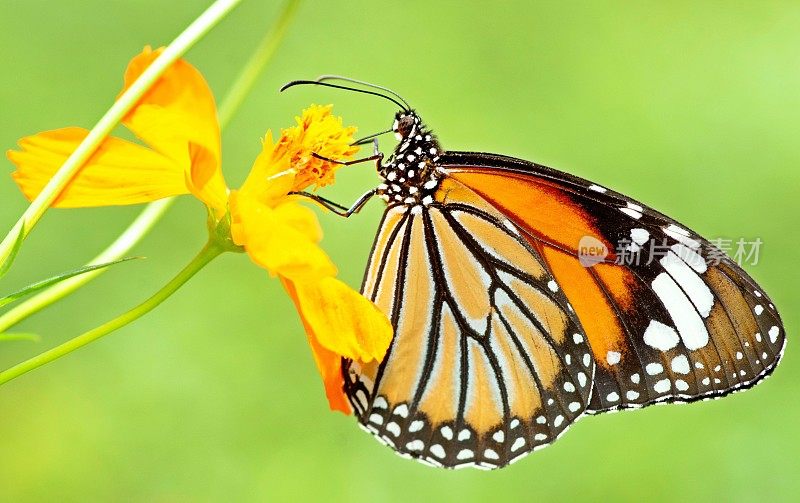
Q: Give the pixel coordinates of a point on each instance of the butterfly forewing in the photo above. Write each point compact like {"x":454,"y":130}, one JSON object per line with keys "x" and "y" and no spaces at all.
{"x":488,"y":362}
{"x":674,"y":320}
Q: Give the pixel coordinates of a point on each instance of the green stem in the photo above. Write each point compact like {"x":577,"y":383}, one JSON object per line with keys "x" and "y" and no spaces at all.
{"x":122,"y":106}
{"x":19,"y":337}
{"x":255,"y":65}
{"x":206,"y":255}
{"x":132,"y":235}
{"x":153,"y":212}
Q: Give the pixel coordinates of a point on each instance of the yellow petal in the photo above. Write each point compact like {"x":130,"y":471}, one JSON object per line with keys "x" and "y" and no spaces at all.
{"x":328,"y":363}
{"x":282,"y":239}
{"x":119,"y":172}
{"x":342,"y":320}
{"x":270,"y":177}
{"x":178,"y":118}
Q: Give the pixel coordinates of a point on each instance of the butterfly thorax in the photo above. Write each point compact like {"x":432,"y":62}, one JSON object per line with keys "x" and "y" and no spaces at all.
{"x":409,"y":175}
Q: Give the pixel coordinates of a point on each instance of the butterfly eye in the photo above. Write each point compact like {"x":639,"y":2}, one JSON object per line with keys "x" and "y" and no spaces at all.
{"x":405,"y":125}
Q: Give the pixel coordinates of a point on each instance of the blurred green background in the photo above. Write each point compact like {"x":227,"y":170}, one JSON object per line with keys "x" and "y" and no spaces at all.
{"x":692,"y":107}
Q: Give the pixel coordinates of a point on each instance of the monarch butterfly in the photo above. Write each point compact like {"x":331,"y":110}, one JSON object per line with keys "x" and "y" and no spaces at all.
{"x":507,"y":330}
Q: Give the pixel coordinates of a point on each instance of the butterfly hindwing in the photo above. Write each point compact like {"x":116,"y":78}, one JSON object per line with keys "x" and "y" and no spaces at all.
{"x":487,"y":362}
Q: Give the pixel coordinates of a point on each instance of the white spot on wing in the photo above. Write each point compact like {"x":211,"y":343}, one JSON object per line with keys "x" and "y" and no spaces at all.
{"x":662,"y":386}
{"x":681,"y":235}
{"x":690,"y":326}
{"x":415,"y":445}
{"x":393,"y":428}
{"x":518,"y":444}
{"x":438,"y":451}
{"x":401,"y":410}
{"x":640,"y":236}
{"x":631,"y":213}
{"x":465,"y":454}
{"x":680,"y":364}
{"x":690,"y":282}
{"x":613,"y":357}
{"x":691,"y":257}
{"x":660,"y":336}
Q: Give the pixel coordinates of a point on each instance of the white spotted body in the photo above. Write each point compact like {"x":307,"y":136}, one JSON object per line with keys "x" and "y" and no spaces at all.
{"x":409,"y":175}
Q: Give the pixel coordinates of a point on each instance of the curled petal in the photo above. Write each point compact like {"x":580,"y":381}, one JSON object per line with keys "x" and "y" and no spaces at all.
{"x":177,"y":117}
{"x":119,"y":172}
{"x":270,"y":177}
{"x":339,"y":323}
{"x":344,"y":321}
{"x":328,"y":363}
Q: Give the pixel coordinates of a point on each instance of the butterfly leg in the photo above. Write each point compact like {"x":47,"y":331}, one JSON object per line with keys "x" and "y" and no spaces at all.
{"x":342,"y":211}
{"x":337,"y":208}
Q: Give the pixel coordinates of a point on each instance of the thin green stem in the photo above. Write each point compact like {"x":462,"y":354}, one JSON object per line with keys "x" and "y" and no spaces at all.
{"x":153,"y":212}
{"x":6,"y":337}
{"x":132,"y":235}
{"x":206,"y":255}
{"x":122,"y":106}
{"x":255,"y":65}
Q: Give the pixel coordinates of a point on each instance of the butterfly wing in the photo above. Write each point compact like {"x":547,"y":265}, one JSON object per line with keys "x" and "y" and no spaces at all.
{"x":670,"y":319}
{"x":487,"y":362}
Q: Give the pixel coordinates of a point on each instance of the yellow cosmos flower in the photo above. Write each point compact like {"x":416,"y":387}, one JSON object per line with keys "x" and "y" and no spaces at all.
{"x":177,"y":119}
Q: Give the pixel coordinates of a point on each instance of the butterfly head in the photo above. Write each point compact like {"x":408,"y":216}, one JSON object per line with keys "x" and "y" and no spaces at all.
{"x":410,"y":173}
{"x":406,"y":124}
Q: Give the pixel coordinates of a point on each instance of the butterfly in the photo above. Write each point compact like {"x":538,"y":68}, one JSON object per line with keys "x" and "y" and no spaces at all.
{"x":523,"y":298}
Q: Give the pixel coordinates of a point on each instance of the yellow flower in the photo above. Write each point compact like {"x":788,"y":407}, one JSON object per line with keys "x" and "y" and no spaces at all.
{"x":177,"y":119}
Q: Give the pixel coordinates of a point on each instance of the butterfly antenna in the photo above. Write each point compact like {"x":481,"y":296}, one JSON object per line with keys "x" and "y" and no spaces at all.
{"x":293,"y":83}
{"x":323,"y":78}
